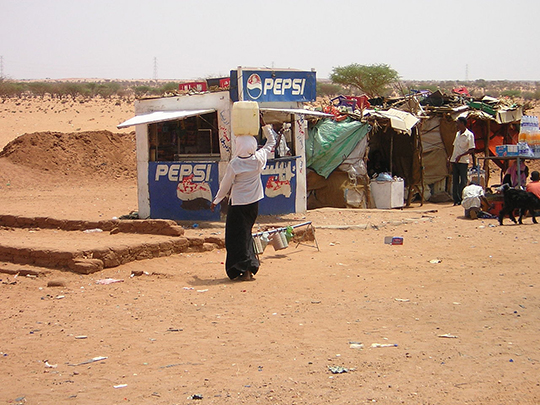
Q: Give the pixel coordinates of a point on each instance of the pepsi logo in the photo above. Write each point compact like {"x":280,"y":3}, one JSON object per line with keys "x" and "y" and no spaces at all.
{"x":254,"y":86}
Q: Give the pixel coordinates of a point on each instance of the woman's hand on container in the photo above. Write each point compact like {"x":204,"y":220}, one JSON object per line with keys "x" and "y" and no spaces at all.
{"x":212,"y":207}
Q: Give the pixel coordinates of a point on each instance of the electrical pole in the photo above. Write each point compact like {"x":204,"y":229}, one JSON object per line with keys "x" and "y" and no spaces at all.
{"x":1,"y":67}
{"x":155,"y":69}
{"x":467,"y":72}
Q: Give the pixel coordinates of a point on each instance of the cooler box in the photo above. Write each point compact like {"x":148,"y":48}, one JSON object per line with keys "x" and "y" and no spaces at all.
{"x":388,"y":194}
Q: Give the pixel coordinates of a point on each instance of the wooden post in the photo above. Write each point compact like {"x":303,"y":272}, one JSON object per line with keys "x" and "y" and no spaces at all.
{"x":391,"y":152}
{"x":420,"y":154}
{"x":486,"y":151}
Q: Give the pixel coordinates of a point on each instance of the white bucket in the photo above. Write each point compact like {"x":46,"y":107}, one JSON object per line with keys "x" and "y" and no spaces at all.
{"x":245,"y":118}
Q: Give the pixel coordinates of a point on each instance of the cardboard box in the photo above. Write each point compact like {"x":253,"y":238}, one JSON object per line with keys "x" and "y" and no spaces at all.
{"x":393,"y":240}
{"x":507,"y":150}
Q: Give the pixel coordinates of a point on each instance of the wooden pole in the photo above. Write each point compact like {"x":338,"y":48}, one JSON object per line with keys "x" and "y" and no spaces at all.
{"x":486,"y":151}
{"x":391,"y":152}
{"x":420,"y":154}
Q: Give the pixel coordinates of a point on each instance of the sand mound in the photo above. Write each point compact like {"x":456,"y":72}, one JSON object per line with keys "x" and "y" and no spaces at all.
{"x":82,"y":154}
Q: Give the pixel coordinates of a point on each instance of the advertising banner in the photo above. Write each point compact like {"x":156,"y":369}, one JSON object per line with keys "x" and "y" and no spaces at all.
{"x":273,"y":86}
{"x":279,"y":182}
{"x":183,"y":190}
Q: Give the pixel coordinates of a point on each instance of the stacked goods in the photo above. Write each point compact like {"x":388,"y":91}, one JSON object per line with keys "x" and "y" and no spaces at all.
{"x":529,"y":134}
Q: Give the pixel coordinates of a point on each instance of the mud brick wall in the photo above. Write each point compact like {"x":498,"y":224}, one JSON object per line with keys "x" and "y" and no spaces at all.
{"x":144,"y":226}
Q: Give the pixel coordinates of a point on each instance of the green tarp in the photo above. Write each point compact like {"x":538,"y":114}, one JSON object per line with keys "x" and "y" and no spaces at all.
{"x":330,"y":142}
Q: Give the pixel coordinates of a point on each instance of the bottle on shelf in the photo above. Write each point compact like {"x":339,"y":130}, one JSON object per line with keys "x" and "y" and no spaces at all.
{"x":523,"y":129}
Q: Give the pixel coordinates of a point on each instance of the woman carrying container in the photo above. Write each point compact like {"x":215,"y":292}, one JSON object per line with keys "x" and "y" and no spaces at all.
{"x":243,"y":180}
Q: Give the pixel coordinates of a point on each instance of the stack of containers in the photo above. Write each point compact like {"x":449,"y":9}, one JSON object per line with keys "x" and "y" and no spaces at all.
{"x":535,"y":137}
{"x":529,"y":136}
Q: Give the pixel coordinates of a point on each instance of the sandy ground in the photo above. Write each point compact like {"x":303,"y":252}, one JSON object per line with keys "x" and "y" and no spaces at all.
{"x":21,"y":116}
{"x":458,"y":304}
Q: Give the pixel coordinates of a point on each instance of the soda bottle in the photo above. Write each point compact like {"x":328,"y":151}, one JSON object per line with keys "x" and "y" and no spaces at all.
{"x":522,"y":137}
{"x":535,"y":131}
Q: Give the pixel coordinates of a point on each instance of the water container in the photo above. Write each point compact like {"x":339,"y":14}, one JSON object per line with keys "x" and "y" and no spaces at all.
{"x":245,"y":118}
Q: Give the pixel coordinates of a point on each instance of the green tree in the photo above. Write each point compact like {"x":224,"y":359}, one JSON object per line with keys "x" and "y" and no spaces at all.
{"x":141,"y":91}
{"x":512,"y":93}
{"x":171,"y":87}
{"x":373,"y":80}
{"x":11,"y":89}
{"x":107,"y":90}
{"x":39,"y":88}
{"x":329,"y":89}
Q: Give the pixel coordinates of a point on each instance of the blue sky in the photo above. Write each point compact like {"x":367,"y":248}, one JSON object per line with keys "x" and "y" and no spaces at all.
{"x":119,"y":39}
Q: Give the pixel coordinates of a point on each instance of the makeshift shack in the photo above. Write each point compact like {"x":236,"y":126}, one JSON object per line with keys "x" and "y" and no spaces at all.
{"x":492,"y":122}
{"x":356,"y":146}
{"x":411,"y":138}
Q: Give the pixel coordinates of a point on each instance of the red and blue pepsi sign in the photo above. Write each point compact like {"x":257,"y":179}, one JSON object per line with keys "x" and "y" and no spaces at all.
{"x":183,"y":190}
{"x":273,"y":85}
{"x":279,"y":182}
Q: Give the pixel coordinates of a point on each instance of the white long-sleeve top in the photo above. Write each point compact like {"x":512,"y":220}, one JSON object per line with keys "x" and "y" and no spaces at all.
{"x":472,"y":196}
{"x":243,"y":175}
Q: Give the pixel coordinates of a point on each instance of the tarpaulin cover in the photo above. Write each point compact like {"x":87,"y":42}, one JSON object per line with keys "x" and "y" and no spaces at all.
{"x":435,"y":168}
{"x":330,"y":142}
{"x":434,"y":155}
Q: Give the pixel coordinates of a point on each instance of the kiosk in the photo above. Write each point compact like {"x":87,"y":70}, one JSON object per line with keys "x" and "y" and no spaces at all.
{"x":185,"y":142}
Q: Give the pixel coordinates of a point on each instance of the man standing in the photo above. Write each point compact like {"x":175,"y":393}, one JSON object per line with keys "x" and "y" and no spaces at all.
{"x":463,"y":147}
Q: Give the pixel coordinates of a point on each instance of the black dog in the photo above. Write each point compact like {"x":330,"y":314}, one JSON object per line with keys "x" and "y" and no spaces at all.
{"x":518,"y":199}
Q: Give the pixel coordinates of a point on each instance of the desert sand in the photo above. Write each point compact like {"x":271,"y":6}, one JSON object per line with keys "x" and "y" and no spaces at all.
{"x":451,"y":316}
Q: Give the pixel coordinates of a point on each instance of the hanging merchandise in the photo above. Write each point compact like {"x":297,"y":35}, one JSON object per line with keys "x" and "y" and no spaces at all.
{"x":265,"y":239}
{"x":279,"y":241}
{"x":289,"y":233}
{"x":257,"y":245}
{"x":284,"y":239}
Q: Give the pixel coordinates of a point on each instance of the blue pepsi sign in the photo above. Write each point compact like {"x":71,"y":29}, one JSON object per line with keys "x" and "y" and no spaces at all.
{"x":183,"y":190}
{"x":274,"y":85}
{"x":279,"y":181}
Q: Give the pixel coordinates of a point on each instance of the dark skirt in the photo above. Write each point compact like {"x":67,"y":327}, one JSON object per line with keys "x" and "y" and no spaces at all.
{"x":238,"y":240}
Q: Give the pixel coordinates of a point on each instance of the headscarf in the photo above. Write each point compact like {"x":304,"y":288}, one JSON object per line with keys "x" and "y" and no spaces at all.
{"x":245,"y":146}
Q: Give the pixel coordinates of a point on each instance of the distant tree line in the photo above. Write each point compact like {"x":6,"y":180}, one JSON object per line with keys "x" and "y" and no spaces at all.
{"x":373,"y":80}
{"x":87,"y":90}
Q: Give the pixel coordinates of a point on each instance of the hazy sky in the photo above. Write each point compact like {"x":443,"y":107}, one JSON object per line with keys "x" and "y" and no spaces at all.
{"x":119,"y":39}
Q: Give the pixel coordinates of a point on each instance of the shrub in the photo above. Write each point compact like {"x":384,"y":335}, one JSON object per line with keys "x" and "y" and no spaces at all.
{"x":512,"y":93}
